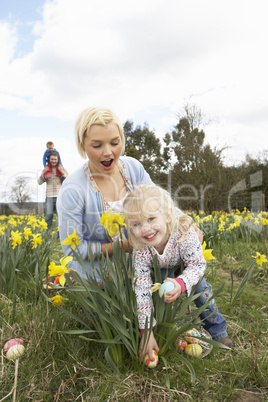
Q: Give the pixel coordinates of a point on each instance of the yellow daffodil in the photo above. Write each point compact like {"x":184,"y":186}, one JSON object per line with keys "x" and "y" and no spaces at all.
{"x":37,"y":239}
{"x":51,"y":266}
{"x":2,"y":230}
{"x":27,"y":232}
{"x":230,"y":227}
{"x":58,"y":300}
{"x":12,"y":222}
{"x":221,"y":227}
{"x":33,"y":222}
{"x":60,"y":269}
{"x":43,"y":224}
{"x":264,"y":221}
{"x":207,"y":252}
{"x":15,"y":237}
{"x":72,"y":240}
{"x":112,"y":222}
{"x":260,"y":258}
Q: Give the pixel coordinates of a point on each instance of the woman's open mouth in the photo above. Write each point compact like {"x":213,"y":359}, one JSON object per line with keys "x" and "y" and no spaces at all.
{"x":107,"y":163}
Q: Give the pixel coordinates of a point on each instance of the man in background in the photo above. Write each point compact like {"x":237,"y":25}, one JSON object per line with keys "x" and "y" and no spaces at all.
{"x":53,"y":175}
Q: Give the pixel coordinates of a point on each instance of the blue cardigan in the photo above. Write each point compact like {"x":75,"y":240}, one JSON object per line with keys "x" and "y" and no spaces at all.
{"x":79,"y":209}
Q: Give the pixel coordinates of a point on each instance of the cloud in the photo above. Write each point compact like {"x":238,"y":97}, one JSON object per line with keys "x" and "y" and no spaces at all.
{"x":8,"y":41}
{"x":152,"y":51}
{"x":143,"y":59}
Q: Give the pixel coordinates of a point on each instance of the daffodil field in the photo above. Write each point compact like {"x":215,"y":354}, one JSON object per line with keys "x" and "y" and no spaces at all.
{"x":82,"y":337}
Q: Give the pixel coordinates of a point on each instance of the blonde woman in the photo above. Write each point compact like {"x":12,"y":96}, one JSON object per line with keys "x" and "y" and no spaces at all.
{"x":100,"y":185}
{"x":157,"y":229}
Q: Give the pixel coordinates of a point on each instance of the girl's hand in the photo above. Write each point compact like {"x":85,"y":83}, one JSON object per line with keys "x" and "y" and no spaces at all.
{"x":176,"y":292}
{"x":151,"y":345}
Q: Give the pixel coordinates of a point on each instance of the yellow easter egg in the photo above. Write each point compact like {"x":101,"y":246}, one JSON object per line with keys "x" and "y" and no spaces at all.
{"x":151,"y":363}
{"x":15,"y":351}
{"x":193,"y":349}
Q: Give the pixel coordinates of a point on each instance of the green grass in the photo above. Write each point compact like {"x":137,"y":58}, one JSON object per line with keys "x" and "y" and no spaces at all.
{"x":61,"y":367}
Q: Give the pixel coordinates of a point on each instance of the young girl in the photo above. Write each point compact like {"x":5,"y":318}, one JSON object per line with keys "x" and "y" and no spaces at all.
{"x":156,"y":228}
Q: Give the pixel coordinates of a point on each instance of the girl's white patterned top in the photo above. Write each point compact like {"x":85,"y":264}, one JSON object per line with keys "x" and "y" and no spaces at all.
{"x":189,"y":251}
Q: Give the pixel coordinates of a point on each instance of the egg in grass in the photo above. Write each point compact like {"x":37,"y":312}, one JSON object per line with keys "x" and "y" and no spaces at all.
{"x":192,"y":336}
{"x":181,"y":344}
{"x":151,"y":363}
{"x":14,"y":348}
{"x":193,"y":349}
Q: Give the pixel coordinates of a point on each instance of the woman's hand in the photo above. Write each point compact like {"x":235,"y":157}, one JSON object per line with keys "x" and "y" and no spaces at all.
{"x":176,"y":292}
{"x":127,"y":247}
{"x":199,"y":234}
{"x":109,"y":247}
{"x":151,"y":345}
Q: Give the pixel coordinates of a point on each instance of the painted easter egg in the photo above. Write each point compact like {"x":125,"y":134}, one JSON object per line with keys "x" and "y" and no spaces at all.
{"x":181,"y":344}
{"x":165,"y":288}
{"x":193,"y":350}
{"x":192,"y":336}
{"x":151,"y":363}
{"x":57,"y":280}
{"x":15,"y":351}
{"x":12,"y":342}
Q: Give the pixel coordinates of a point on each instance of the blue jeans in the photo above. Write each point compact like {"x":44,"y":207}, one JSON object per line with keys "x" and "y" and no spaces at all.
{"x":215,"y":325}
{"x":50,"y":208}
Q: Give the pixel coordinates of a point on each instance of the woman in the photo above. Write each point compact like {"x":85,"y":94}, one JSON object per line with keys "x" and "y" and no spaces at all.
{"x":100,"y":185}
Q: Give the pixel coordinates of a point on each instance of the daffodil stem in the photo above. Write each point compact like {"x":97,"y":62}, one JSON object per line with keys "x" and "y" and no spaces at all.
{"x":15,"y":380}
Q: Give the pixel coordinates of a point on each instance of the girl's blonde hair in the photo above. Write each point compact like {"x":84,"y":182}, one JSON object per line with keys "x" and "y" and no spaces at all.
{"x":94,"y":116}
{"x":150,"y":200}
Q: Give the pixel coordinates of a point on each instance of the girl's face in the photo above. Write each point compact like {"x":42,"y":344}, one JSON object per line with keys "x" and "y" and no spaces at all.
{"x":152,"y":231}
{"x":103,"y":146}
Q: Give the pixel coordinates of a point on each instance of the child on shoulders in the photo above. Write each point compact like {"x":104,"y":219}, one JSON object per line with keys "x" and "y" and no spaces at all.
{"x":48,"y":151}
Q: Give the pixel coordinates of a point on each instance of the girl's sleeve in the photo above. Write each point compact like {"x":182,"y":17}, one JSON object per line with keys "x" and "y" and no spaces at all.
{"x":142,"y":286}
{"x":194,"y":262}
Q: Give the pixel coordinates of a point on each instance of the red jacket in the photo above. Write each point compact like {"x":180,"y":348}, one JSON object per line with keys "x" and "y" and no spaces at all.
{"x":49,"y":172}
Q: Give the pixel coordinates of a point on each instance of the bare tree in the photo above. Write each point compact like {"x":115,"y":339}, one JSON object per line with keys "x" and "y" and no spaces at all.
{"x":20,"y":190}
{"x":195,"y":116}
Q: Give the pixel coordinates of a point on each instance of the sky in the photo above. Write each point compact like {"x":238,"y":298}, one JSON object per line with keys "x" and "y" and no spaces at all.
{"x":142,"y":59}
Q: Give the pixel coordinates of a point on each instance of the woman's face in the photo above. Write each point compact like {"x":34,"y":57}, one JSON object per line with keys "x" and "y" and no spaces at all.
{"x":103,"y":146}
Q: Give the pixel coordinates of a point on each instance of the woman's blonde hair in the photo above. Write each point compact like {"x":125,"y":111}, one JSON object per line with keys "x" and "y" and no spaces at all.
{"x":150,"y":200}
{"x":94,"y":116}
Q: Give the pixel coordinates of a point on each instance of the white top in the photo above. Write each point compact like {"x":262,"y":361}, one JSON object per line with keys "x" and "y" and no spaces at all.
{"x":117,"y":206}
